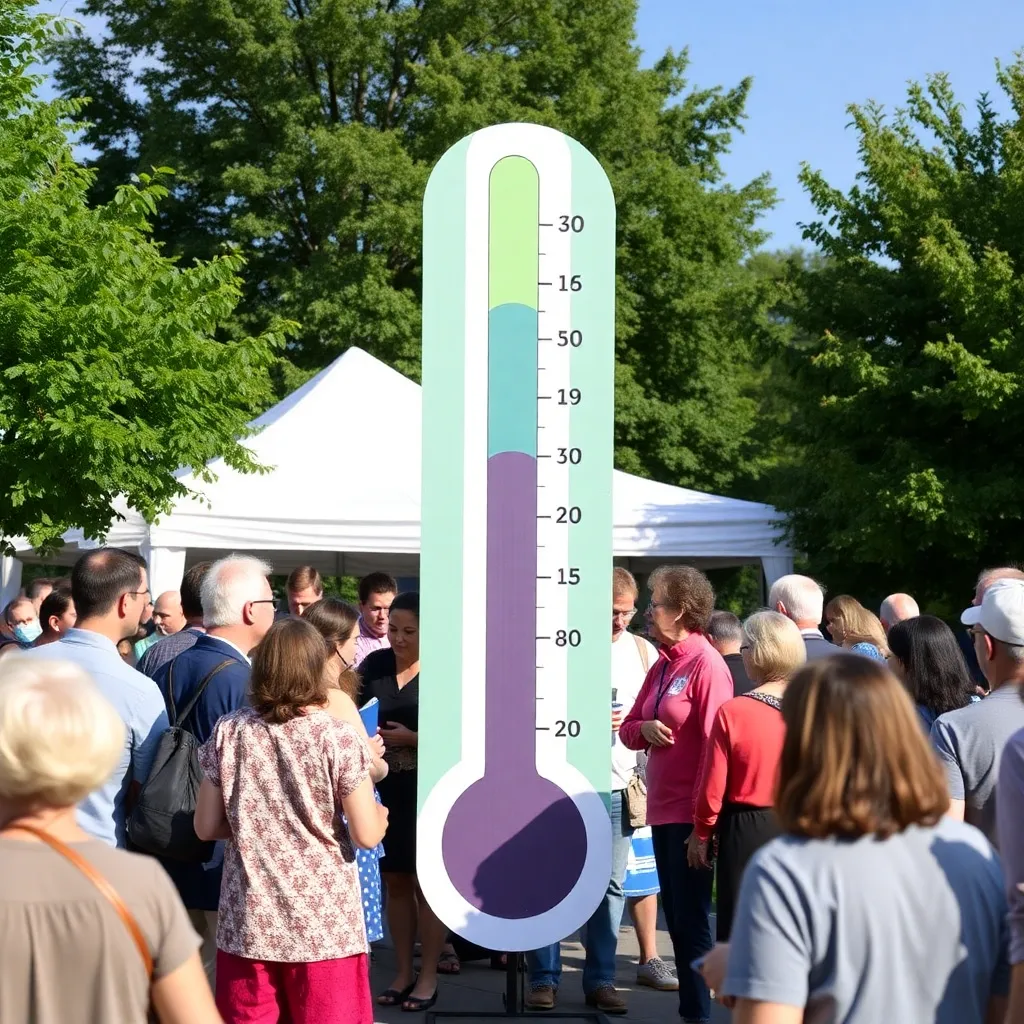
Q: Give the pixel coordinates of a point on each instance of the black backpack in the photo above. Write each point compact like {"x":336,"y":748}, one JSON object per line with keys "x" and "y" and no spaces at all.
{"x":161,"y":821}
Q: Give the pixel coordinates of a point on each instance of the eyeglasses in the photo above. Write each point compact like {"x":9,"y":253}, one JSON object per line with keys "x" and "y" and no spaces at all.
{"x":623,"y":615}
{"x":272,"y":601}
{"x":655,"y":604}
{"x":139,"y":593}
{"x":975,"y":631}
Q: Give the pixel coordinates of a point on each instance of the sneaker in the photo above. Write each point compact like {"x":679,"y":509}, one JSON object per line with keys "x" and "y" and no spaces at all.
{"x":607,"y":1000}
{"x":657,"y":974}
{"x":541,"y":998}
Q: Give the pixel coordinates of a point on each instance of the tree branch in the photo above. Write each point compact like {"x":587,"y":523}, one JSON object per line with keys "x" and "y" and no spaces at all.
{"x":332,"y":93}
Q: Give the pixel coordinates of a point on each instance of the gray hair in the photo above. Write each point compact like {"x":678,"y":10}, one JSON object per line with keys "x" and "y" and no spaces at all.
{"x":989,"y":576}
{"x":898,"y":607}
{"x":1013,"y":651}
{"x":802,"y":597}
{"x":725,"y":628}
{"x":229,"y":585}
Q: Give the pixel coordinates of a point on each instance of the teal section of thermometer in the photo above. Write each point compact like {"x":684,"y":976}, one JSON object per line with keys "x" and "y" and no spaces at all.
{"x":513,"y":832}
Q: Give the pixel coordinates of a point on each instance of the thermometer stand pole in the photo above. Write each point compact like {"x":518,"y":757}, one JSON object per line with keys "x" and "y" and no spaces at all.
{"x":515,"y":1004}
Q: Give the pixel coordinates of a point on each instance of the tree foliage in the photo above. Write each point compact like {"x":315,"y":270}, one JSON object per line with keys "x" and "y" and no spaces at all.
{"x":907,"y":420}
{"x":305,"y":130}
{"x":111,"y":377}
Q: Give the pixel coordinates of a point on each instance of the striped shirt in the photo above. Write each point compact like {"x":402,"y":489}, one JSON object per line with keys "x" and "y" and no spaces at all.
{"x":167,"y":649}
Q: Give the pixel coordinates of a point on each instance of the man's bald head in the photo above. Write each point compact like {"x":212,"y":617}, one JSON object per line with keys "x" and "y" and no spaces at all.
{"x":989,"y":576}
{"x":897,"y":608}
{"x":167,"y":613}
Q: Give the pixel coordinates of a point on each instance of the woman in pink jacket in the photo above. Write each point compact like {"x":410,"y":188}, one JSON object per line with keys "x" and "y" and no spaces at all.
{"x":672,"y":720}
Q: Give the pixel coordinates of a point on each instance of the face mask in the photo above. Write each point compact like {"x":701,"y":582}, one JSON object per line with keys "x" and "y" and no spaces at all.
{"x":26,"y":632}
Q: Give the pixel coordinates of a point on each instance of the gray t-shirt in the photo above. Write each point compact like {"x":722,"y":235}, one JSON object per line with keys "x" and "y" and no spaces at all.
{"x":1010,"y":800}
{"x":910,"y":929}
{"x":970,"y":742}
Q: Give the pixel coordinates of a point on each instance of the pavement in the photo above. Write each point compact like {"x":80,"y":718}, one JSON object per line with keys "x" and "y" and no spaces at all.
{"x":478,"y":988}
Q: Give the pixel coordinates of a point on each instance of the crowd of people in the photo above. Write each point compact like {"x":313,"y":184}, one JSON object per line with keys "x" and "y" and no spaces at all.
{"x":840,"y":798}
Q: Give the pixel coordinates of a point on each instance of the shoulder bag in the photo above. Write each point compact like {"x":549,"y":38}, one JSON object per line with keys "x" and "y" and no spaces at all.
{"x":636,"y":788}
{"x":161,"y":822}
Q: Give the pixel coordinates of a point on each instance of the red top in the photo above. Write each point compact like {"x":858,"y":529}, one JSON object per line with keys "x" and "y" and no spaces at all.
{"x":741,"y":762}
{"x":684,"y":689}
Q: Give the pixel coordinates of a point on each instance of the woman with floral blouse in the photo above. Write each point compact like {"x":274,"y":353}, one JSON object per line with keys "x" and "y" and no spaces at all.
{"x":291,"y":941}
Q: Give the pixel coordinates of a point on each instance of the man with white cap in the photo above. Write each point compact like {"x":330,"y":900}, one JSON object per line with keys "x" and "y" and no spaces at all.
{"x":970,"y":741}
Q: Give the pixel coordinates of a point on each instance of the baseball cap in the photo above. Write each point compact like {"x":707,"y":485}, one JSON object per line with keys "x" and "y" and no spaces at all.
{"x":1001,"y":612}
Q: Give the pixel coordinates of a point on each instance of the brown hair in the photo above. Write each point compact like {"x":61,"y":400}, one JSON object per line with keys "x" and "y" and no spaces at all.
{"x":687,"y":591}
{"x":303,"y":577}
{"x":854,"y":761}
{"x":376,"y":583}
{"x":191,"y":590}
{"x":623,"y":582}
{"x":334,"y":620}
{"x":288,"y":671}
{"x":858,"y":625}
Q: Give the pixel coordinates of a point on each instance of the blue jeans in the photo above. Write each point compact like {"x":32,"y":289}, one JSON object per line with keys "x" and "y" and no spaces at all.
{"x":686,"y":900}
{"x":600,"y":934}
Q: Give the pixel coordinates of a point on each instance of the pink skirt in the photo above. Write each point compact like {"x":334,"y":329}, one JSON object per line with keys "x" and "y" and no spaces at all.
{"x":267,"y":991}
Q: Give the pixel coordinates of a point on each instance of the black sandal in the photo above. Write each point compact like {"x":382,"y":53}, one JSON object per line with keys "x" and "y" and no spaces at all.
{"x":394,"y":996}
{"x":413,"y":1005}
{"x":449,"y":963}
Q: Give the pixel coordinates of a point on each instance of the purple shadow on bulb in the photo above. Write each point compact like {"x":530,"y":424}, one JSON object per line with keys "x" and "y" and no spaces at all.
{"x":514,"y":844}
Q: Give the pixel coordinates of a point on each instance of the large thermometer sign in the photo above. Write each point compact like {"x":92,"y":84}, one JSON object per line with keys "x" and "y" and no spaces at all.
{"x":513,"y":832}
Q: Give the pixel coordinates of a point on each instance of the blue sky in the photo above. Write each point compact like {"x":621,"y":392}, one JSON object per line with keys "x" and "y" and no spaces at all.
{"x":811,"y":58}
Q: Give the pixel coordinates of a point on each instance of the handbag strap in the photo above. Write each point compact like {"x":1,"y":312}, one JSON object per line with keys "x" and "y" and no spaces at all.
{"x":642,"y":650}
{"x":101,"y":883}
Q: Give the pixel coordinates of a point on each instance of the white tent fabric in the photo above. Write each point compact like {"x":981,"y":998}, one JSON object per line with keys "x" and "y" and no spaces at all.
{"x":342,"y":493}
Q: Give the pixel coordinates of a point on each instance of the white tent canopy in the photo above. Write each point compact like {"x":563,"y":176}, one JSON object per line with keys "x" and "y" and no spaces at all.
{"x":342,"y":493}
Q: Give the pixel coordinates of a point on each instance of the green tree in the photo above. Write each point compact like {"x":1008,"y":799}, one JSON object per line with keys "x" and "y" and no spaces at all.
{"x":907,"y":423}
{"x":110,"y":374}
{"x":305,"y":130}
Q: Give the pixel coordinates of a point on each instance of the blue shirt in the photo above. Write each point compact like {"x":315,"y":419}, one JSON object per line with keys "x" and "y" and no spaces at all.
{"x":102,"y":814}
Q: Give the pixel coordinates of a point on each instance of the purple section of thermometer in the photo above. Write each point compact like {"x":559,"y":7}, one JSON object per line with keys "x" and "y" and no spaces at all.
{"x":500,"y":835}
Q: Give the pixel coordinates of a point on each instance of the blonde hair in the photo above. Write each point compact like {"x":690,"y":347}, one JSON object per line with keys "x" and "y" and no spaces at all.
{"x":775,"y":647}
{"x":59,"y":737}
{"x":624,"y":583}
{"x":858,"y":625}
